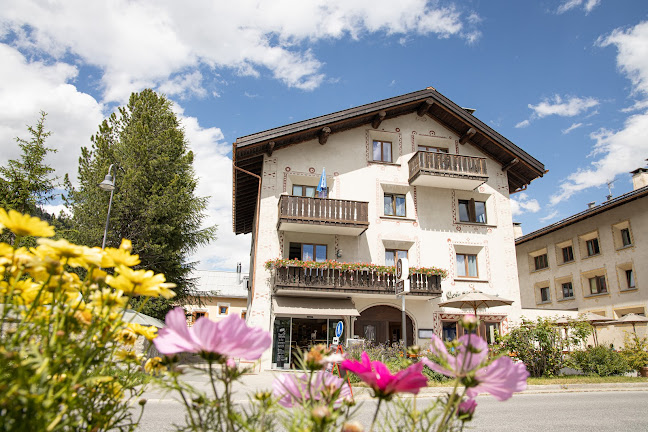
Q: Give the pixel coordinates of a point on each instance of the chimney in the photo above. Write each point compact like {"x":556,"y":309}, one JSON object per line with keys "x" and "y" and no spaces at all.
{"x":639,"y":178}
{"x":517,"y":230}
{"x":238,"y":271}
{"x":591,"y":204}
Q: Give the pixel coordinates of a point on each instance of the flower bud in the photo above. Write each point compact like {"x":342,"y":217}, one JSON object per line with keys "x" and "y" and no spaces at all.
{"x":469,"y":322}
{"x":320,"y":413}
{"x":352,"y":426}
{"x":466,"y":409}
{"x":142,"y":402}
{"x":262,"y":396}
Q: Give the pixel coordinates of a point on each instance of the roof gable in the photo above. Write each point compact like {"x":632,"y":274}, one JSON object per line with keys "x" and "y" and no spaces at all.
{"x":248,"y":151}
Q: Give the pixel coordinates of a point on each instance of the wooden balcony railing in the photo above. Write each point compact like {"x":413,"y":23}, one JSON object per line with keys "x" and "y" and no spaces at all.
{"x":323,"y":211}
{"x":447,"y":164}
{"x":351,"y":281}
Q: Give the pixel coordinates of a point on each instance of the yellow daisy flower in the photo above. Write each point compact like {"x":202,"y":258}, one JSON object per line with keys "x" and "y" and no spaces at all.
{"x":149,"y":332}
{"x":141,"y":282}
{"x":154,"y":366}
{"x":25,"y":225}
{"x":127,"y":336}
{"x":107,"y":301}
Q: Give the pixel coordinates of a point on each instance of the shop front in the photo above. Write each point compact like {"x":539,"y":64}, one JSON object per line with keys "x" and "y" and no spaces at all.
{"x":300,"y":323}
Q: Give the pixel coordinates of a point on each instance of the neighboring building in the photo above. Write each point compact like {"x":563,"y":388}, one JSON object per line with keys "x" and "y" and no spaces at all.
{"x":593,"y":261}
{"x":217,"y":295}
{"x":413,"y":176}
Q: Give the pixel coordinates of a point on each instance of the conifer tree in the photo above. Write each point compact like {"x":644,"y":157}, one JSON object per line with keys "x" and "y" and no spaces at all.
{"x":154,"y":203}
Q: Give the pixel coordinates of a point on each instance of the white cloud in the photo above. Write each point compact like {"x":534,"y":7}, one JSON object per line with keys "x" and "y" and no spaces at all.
{"x":184,"y":86}
{"x":549,"y":216}
{"x":520,"y":203}
{"x":568,"y":107}
{"x":72,"y":118}
{"x":138,"y":44}
{"x":571,"y":128}
{"x":567,"y":5}
{"x":213,"y":170}
{"x":619,"y":151}
{"x":523,"y":124}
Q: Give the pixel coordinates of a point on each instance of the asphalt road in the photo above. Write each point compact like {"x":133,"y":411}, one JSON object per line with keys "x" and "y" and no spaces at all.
{"x":599,"y":411}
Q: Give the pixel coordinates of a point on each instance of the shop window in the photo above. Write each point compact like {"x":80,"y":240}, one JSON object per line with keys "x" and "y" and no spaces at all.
{"x":567,"y":290}
{"x":541,"y":262}
{"x":472,"y":211}
{"x":394,"y":205}
{"x":467,"y":265}
{"x":597,"y":285}
{"x":491,"y":331}
{"x":382,"y":151}
{"x":393,"y":255}
{"x":307,"y":252}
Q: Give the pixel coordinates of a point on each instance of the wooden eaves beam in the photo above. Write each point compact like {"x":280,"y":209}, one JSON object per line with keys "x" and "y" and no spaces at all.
{"x":510,"y":164}
{"x":424,"y":107}
{"x":375,"y":123}
{"x":468,"y":135}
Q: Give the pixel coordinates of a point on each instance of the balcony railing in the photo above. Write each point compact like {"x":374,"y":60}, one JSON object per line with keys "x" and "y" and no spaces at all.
{"x":322,"y":215}
{"x":434,"y":169}
{"x":351,"y":281}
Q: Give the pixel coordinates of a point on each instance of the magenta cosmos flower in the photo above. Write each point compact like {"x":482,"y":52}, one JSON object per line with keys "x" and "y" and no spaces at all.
{"x":500,"y":378}
{"x":291,"y":389}
{"x":230,"y":337}
{"x":381,"y":380}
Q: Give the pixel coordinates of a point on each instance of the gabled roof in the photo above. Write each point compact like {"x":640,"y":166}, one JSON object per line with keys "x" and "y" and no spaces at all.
{"x":607,"y":205}
{"x":248,"y":151}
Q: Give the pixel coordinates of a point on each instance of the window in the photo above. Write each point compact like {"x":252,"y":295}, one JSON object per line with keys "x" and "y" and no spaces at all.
{"x":629,"y":274}
{"x":568,"y":254}
{"x":223,"y":309}
{"x":200,"y":314}
{"x":492,"y":329}
{"x":597,"y":285}
{"x":394,"y":205}
{"x":544,"y":294}
{"x":432,"y":149}
{"x":592,"y":247}
{"x":449,"y":331}
{"x":305,"y":191}
{"x":472,"y":211}
{"x":541,"y":262}
{"x":382,"y":151}
{"x":567,"y":290}
{"x":243,"y":314}
{"x":307,"y":252}
{"x":625,"y":237}
{"x":467,"y":265}
{"x":393,"y":255}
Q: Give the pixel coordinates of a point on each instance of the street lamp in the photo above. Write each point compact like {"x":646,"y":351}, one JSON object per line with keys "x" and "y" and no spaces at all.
{"x":109,"y":186}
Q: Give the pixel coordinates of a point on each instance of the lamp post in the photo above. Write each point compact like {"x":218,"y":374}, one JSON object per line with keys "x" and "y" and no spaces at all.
{"x":108,"y":184}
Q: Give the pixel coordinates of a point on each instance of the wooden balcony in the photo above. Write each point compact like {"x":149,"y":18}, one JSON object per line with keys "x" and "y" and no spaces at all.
{"x":322,"y":215}
{"x":444,"y":170}
{"x":298,"y":280}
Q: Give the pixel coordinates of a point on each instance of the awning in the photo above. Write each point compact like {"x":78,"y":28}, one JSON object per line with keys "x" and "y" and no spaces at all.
{"x":310,"y":306}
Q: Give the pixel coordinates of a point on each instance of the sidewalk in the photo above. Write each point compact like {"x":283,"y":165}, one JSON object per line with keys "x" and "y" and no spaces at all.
{"x":259,"y":381}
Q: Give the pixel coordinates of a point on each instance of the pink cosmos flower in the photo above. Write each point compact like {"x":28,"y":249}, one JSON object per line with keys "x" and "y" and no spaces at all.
{"x":292,"y":389}
{"x":467,"y":407}
{"x":501,"y":378}
{"x":471,"y":353}
{"x":381,"y":380}
{"x":230,"y":337}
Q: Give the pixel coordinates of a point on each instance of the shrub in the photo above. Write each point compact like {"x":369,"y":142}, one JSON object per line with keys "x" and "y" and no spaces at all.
{"x":539,"y":344}
{"x":599,"y":360}
{"x":635,"y":351}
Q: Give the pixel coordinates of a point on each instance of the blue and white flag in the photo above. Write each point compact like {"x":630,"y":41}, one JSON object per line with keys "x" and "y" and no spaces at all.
{"x":321,"y":187}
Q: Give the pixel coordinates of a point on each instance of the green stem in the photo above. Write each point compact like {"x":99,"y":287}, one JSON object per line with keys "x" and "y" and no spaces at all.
{"x":375,"y":415}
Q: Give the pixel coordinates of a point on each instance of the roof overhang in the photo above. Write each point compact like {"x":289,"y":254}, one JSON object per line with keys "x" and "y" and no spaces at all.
{"x":248,"y":151}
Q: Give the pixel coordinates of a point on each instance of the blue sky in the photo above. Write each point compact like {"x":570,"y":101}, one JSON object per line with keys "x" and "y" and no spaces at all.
{"x":566,"y":80}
